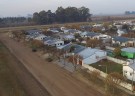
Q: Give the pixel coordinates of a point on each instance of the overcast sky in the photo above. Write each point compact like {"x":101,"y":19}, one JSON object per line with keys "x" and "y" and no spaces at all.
{"x":24,"y":7}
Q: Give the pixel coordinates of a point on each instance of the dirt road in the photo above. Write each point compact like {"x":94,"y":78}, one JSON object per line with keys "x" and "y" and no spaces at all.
{"x":56,"y":80}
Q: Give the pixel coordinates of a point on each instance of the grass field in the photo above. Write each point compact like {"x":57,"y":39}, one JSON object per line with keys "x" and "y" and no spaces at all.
{"x":9,"y":84}
{"x":111,"y":66}
{"x":42,"y":27}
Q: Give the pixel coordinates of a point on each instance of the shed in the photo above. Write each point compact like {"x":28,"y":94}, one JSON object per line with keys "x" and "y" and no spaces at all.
{"x":128,"y":52}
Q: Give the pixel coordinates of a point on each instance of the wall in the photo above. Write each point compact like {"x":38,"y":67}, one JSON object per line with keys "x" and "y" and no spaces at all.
{"x":117,"y":60}
{"x":102,"y":74}
{"x":128,"y":72}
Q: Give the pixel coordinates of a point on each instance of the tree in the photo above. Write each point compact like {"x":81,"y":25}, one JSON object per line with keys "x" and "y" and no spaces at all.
{"x":75,"y":60}
{"x":93,"y":42}
{"x":126,"y":27}
{"x":117,"y":51}
{"x":36,"y":18}
{"x":114,"y":79}
{"x":95,"y":75}
{"x":77,"y":35}
{"x":36,"y":44}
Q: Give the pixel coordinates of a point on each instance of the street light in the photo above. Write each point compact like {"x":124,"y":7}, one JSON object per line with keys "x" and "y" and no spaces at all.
{"x":106,"y":73}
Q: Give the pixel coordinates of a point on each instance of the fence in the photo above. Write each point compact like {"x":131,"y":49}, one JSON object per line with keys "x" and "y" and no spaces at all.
{"x":117,"y":60}
{"x":102,"y":74}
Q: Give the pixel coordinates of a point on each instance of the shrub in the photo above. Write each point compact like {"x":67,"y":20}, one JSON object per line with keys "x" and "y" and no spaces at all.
{"x":49,"y":59}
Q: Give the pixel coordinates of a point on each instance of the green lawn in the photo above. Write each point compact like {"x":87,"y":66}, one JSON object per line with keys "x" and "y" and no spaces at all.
{"x":109,"y":65}
{"x":9,"y":84}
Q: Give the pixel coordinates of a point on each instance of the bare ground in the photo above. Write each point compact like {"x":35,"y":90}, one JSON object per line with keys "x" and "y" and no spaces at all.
{"x":56,"y":80}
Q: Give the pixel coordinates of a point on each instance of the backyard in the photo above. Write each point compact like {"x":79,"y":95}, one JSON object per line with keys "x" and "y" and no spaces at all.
{"x":108,"y":66}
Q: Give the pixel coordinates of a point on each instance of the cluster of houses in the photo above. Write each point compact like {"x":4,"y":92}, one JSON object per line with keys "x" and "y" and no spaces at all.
{"x":89,"y":55}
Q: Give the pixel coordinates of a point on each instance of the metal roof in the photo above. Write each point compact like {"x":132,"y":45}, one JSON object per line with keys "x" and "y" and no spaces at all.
{"x":121,"y":39}
{"x":88,"y":52}
{"x":132,"y":66}
{"x":92,"y":34}
{"x":129,"y":49}
{"x":77,"y":48}
{"x":33,"y":31}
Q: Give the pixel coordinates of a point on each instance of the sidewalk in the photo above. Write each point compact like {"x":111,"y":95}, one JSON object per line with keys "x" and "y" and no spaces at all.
{"x":67,"y":65}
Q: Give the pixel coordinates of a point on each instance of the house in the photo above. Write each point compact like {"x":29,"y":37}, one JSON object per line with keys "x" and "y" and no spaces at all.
{"x":89,"y":34}
{"x":56,"y":43}
{"x":128,"y":52}
{"x":71,"y":48}
{"x":129,"y":71}
{"x":33,"y":32}
{"x":54,"y":30}
{"x":66,"y":37}
{"x":86,"y":27}
{"x":40,"y":37}
{"x":121,"y":31}
{"x":62,"y":28}
{"x":103,"y":37}
{"x":98,"y":25}
{"x":122,"y":41}
{"x":71,"y":31}
{"x":90,"y":55}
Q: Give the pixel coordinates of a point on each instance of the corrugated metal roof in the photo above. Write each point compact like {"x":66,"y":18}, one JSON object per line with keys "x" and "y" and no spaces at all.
{"x":129,"y":49}
{"x":77,"y":48}
{"x":121,"y":39}
{"x":132,"y":66}
{"x":92,"y":34}
{"x":88,"y":52}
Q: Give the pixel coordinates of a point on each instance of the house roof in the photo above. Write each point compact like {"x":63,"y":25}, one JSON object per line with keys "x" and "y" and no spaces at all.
{"x":50,"y":42}
{"x":88,"y":52}
{"x":41,"y":35}
{"x":33,"y":31}
{"x":77,"y":48}
{"x":48,"y":38}
{"x":121,"y":39}
{"x":65,"y":47}
{"x":92,"y":34}
{"x":73,"y":30}
{"x":69,"y":36}
{"x":129,"y":49}
{"x":132,"y":66}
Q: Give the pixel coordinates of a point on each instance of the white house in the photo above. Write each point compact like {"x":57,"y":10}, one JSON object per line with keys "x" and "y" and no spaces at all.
{"x":121,"y":31}
{"x":56,"y":43}
{"x":122,"y":41}
{"x":129,"y":71}
{"x":89,"y":34}
{"x":97,"y":25}
{"x":91,"y":55}
{"x":69,"y":37}
{"x":40,"y":37}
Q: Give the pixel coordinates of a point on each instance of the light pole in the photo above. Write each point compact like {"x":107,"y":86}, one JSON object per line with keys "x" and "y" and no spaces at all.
{"x":106,"y":71}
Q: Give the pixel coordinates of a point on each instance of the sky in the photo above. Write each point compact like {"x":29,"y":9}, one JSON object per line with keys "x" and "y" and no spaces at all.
{"x":24,"y":7}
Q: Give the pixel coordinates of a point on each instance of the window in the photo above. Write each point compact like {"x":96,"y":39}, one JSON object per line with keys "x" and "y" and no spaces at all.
{"x":125,"y":71}
{"x":131,"y":74}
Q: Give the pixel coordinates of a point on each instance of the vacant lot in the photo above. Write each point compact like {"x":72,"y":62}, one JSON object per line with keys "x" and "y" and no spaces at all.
{"x":108,"y":66}
{"x":9,"y":84}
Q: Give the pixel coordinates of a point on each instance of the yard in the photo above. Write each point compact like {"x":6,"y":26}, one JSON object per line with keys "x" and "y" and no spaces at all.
{"x":108,"y":66}
{"x":9,"y":84}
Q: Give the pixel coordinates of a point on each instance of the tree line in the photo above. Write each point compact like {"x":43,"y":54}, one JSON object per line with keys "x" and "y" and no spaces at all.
{"x":61,"y":15}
